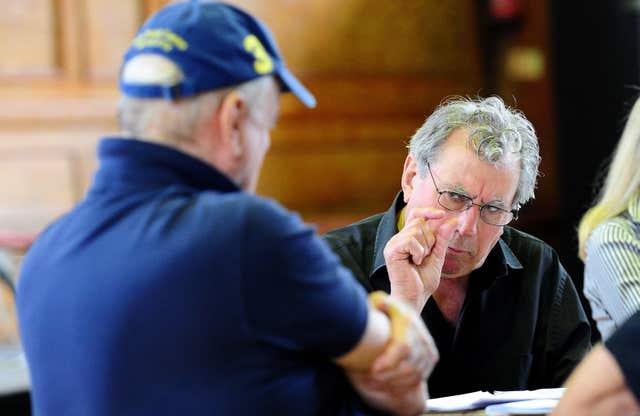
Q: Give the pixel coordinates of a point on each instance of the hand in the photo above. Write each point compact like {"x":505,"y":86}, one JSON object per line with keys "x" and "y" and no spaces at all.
{"x":415,"y":255}
{"x":396,"y":381}
{"x":597,"y":387}
{"x":411,"y":401}
{"x":411,"y":353}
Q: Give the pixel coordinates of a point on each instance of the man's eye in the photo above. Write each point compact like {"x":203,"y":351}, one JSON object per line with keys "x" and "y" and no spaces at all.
{"x":456,"y":197}
{"x":493,"y":209}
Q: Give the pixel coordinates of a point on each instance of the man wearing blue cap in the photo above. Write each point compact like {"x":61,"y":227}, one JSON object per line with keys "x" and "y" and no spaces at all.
{"x":172,"y":289}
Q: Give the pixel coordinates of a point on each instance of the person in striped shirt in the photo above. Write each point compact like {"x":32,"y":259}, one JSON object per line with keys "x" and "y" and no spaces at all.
{"x":609,"y":236}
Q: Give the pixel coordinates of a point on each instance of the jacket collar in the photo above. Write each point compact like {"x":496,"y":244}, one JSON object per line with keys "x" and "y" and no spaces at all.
{"x":128,"y":162}
{"x":634,"y":208}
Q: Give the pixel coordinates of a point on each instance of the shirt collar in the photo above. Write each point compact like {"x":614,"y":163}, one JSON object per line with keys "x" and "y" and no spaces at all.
{"x":131,"y":162}
{"x":634,"y":208}
{"x":499,"y":260}
{"x":387,"y":228}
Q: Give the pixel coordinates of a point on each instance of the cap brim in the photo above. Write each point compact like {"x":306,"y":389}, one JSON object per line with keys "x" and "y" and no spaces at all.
{"x":292,"y":84}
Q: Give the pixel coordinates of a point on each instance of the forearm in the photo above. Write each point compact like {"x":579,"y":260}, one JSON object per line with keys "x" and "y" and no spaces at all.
{"x":372,"y":343}
{"x":417,"y":299}
{"x":396,"y":354}
{"x":597,"y":382}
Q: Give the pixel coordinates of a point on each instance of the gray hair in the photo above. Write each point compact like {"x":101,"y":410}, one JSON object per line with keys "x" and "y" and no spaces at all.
{"x":497,"y":133}
{"x":175,"y":121}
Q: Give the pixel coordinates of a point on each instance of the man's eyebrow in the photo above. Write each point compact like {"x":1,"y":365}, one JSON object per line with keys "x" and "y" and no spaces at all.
{"x":497,"y":203}
{"x":459,"y":189}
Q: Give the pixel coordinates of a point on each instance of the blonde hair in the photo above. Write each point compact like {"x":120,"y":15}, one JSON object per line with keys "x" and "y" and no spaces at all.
{"x":621,"y":184}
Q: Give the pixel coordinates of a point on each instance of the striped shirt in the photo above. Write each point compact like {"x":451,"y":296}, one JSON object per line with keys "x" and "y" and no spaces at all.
{"x":612,"y":269}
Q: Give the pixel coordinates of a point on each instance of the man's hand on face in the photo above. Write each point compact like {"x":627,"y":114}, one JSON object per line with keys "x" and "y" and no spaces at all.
{"x":415,"y":256}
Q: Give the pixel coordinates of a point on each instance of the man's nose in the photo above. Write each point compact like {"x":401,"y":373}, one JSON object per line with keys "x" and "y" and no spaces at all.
{"x":468,"y":221}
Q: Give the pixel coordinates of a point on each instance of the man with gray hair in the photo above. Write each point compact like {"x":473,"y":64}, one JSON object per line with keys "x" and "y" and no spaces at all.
{"x":172,"y":289}
{"x":502,"y":309}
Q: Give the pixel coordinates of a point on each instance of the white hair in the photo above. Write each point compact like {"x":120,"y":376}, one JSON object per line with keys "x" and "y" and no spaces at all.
{"x":173,"y":121}
{"x":496,"y":133}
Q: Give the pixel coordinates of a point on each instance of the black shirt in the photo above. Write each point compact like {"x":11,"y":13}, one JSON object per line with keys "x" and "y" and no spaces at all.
{"x":521,"y":326}
{"x":623,"y":345}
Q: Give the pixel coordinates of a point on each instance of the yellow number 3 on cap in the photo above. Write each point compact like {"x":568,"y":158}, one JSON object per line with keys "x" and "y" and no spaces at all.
{"x":263,"y":63}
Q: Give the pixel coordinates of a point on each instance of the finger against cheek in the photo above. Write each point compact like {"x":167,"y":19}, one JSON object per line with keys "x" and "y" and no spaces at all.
{"x":416,"y":250}
{"x":418,"y":231}
{"x":428,"y":213}
{"x":447,"y":228}
{"x":429,"y":238}
{"x":445,"y":233}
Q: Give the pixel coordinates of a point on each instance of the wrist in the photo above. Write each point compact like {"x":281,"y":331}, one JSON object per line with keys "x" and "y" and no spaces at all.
{"x":415,"y":301}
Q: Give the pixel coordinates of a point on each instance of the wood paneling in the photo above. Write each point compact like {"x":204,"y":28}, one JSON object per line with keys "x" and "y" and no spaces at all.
{"x":27,"y":38}
{"x":372,"y":37}
{"x":44,"y":172}
{"x":376,"y":68}
{"x":71,"y":33}
{"x":25,"y":206}
{"x":109,"y":33}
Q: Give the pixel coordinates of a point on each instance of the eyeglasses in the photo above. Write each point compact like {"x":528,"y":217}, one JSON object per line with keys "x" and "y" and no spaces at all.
{"x":454,"y":201}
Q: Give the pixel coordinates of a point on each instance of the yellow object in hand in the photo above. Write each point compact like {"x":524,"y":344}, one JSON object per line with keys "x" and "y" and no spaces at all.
{"x":397,"y":312}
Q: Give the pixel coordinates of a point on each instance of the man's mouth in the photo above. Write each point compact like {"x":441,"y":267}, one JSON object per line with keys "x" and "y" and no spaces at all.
{"x":455,"y":250}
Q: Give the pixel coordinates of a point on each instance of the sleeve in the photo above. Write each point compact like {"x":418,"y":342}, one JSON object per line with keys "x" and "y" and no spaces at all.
{"x":612,"y":269}
{"x":623,"y":345}
{"x":570,"y":332}
{"x":349,"y":256}
{"x":296,"y":293}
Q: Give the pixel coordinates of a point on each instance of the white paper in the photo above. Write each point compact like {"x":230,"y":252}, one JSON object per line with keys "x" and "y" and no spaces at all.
{"x":475,"y":400}
{"x":517,"y":395}
{"x":482,"y":399}
{"x":525,"y":407}
{"x":14,"y":374}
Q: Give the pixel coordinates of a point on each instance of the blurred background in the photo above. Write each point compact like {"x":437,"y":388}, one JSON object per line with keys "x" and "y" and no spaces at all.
{"x":377,"y":68}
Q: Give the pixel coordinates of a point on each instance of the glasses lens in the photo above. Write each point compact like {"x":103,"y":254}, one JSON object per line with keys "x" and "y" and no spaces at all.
{"x":495,"y":217}
{"x":454,"y":201}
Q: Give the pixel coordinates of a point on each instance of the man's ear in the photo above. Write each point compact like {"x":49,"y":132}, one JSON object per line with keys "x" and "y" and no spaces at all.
{"x":228,"y":117}
{"x":409,"y":172}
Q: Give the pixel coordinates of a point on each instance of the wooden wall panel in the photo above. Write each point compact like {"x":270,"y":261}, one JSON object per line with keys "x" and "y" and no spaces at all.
{"x":71,"y":36}
{"x":375,"y":97}
{"x":109,"y":33}
{"x":27,"y":38}
{"x":376,"y":68}
{"x":372,"y":37}
{"x":323,"y":179}
{"x":44,"y":173}
{"x":30,"y":201}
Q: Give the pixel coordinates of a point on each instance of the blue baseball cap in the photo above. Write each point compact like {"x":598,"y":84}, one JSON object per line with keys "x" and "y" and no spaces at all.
{"x":215,"y":45}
